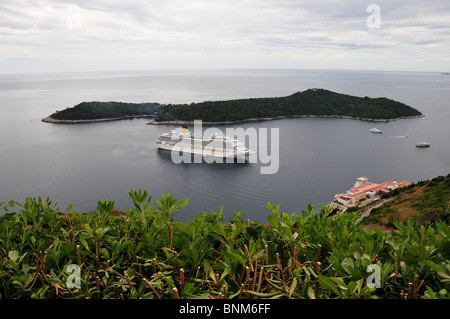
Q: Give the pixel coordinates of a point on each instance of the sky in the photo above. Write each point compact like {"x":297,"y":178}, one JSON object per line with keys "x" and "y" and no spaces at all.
{"x":104,"y":35}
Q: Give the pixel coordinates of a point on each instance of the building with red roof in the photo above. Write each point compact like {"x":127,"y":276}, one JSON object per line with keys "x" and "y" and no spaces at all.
{"x":363,"y":189}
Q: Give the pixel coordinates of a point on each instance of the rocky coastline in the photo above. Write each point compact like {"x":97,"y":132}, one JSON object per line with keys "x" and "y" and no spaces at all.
{"x":283,"y":117}
{"x":50,"y":119}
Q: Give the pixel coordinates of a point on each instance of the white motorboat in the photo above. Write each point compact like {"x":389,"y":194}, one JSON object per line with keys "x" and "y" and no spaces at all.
{"x":374,"y":130}
{"x":422,"y":144}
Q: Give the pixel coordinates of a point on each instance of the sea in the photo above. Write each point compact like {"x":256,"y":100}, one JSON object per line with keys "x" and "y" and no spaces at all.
{"x":79,"y":164}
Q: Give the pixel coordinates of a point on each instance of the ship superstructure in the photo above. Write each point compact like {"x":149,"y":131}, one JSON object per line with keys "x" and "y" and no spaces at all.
{"x":215,"y":145}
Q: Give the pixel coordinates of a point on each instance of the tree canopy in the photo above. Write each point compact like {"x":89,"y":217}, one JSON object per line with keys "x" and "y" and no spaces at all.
{"x":314,"y":102}
{"x":103,"y":110}
{"x":310,"y":102}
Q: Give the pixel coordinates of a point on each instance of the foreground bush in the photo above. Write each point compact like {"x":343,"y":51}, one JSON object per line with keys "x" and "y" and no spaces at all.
{"x":143,"y":253}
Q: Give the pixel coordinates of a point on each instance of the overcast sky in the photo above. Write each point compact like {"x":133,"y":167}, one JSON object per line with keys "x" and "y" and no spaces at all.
{"x":46,"y":35}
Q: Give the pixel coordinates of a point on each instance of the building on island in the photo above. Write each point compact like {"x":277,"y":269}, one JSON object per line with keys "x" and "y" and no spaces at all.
{"x":363,"y":189}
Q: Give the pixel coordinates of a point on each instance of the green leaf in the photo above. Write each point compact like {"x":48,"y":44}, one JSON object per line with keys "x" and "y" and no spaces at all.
{"x":311,"y":293}
{"x":349,"y":266}
{"x":44,"y":205}
{"x":293,"y":286}
{"x":84,"y":242}
{"x":432,"y":265}
{"x":327,"y":283}
{"x":286,"y":232}
{"x":26,"y":268}
{"x":18,"y":284}
{"x":273,"y":220}
{"x":13,"y":255}
{"x":88,"y":229}
{"x":445,"y":276}
{"x":234,"y":255}
{"x":352,"y":286}
{"x":273,"y":295}
{"x":272,"y":208}
{"x":105,"y":252}
{"x":181,"y":204}
{"x":339,"y":282}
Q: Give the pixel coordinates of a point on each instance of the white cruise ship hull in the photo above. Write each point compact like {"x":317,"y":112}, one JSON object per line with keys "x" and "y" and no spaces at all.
{"x":218,"y":146}
{"x":210,"y":152}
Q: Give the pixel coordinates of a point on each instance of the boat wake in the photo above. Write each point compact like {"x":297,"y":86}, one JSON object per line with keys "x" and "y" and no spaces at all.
{"x":131,"y":151}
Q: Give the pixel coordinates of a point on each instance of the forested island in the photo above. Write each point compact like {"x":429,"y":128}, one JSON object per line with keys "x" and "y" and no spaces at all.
{"x":103,"y":111}
{"x":312,"y":102}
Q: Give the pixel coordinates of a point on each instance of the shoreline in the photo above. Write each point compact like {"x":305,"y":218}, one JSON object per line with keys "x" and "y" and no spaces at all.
{"x":284,"y":117}
{"x":49,"y":119}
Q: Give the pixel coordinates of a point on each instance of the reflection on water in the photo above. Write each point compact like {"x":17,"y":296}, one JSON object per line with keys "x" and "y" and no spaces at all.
{"x":196,"y":159}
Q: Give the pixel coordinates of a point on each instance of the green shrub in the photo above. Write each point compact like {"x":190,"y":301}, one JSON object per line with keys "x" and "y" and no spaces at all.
{"x":144,"y":253}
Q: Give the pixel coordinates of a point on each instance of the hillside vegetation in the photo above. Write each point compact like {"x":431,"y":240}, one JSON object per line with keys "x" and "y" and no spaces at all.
{"x":104,"y":110}
{"x":144,"y":253}
{"x":426,"y":201}
{"x":313,"y":102}
{"x":319,"y":102}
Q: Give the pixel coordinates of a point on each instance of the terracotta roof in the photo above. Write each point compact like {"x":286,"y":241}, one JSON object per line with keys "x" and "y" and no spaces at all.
{"x":370,"y":187}
{"x":387,"y":184}
{"x":363,"y":188}
{"x":404,"y":184}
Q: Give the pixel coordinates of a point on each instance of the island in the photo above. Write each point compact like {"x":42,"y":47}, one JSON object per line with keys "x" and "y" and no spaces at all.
{"x":309,"y":103}
{"x":86,"y":112}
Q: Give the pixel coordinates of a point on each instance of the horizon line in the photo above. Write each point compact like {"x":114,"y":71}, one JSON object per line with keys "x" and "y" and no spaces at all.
{"x":212,"y":69}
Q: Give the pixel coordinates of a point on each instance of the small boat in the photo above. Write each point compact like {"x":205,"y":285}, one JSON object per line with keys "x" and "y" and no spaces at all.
{"x":374,"y":130}
{"x":422,"y":144}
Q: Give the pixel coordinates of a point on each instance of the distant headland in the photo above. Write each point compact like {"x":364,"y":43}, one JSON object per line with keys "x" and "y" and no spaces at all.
{"x":87,"y":112}
{"x":309,"y":103}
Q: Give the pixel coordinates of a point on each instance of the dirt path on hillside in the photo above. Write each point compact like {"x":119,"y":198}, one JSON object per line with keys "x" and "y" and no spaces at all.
{"x":368,"y":210}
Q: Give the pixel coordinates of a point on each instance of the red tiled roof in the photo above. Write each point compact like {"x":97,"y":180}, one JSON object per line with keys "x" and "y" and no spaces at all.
{"x":363,"y":188}
{"x":387,"y":184}
{"x":370,"y":187}
{"x":404,"y":184}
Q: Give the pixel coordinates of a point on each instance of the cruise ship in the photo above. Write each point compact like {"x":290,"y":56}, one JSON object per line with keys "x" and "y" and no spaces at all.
{"x":216,"y":145}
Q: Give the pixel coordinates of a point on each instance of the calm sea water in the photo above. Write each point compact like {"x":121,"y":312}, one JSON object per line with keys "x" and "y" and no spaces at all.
{"x":83,"y":163}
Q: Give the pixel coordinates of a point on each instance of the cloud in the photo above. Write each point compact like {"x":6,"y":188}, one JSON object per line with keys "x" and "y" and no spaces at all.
{"x":109,"y":34}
